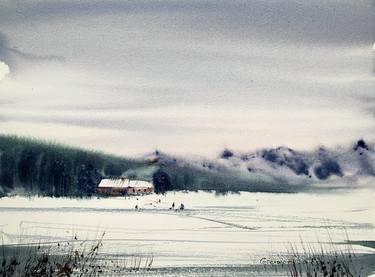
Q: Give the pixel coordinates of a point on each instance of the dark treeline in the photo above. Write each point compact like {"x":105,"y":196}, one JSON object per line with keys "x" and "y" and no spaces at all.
{"x":222,"y":181}
{"x":51,"y":169}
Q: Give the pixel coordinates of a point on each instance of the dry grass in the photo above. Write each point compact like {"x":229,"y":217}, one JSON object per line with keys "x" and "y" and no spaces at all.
{"x":62,"y":259}
{"x":69,"y":258}
{"x":325,"y":261}
{"x":322,"y":263}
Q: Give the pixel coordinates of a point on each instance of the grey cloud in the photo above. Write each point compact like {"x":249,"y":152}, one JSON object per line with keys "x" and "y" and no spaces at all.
{"x":11,"y":55}
{"x":368,"y":101}
{"x":319,"y":21}
{"x":271,"y":68}
{"x":157,"y":125}
{"x":5,"y":55}
{"x":34,"y":57}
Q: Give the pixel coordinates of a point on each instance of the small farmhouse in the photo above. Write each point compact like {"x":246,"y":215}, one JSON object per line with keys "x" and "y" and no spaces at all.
{"x":123,"y":186}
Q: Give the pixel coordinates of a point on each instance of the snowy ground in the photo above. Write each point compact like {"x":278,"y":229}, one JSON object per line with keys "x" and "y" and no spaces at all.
{"x":220,"y":233}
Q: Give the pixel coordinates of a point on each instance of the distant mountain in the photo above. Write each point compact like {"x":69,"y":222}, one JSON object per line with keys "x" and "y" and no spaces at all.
{"x":274,"y":169}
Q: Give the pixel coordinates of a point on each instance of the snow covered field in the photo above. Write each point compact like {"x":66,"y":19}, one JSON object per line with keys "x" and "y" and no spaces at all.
{"x":231,"y":231}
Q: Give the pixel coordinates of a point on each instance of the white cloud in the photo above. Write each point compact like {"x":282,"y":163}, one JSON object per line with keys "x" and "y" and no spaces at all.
{"x":4,"y":70}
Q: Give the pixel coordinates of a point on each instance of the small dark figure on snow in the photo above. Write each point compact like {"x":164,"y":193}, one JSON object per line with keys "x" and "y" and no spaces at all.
{"x":182,"y":206}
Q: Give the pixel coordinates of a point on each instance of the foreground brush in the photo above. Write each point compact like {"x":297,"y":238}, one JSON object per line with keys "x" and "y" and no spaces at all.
{"x":67,"y":258}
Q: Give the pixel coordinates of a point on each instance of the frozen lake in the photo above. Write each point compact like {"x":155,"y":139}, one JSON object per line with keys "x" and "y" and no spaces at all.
{"x":231,"y":231}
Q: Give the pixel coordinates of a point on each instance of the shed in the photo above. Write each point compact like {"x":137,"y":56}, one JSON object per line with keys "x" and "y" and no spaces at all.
{"x":124,"y":186}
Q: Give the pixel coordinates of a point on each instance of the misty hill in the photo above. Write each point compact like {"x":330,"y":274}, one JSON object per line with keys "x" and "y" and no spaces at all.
{"x":37,"y":167}
{"x":188,"y":174}
{"x":29,"y":166}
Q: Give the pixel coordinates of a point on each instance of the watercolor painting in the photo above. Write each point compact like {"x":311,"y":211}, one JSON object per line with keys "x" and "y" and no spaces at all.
{"x":187,"y":138}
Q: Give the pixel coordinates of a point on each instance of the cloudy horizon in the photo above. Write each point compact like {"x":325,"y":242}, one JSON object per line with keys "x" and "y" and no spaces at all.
{"x":188,"y":77}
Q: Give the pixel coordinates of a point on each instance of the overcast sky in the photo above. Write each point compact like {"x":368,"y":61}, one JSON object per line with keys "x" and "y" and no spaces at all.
{"x":188,"y":77}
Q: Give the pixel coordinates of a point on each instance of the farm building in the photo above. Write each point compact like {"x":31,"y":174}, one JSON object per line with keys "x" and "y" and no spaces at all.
{"x":123,"y":186}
